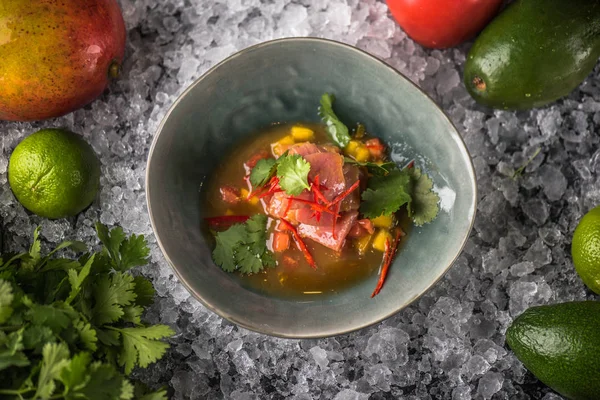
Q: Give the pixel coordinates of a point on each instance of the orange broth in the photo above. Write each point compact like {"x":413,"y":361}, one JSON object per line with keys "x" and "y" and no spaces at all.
{"x":335,"y":272}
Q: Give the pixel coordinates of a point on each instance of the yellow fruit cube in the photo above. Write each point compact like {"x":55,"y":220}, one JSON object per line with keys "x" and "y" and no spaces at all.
{"x":244,"y":193}
{"x":351,"y":147}
{"x":381,"y":237}
{"x":280,"y":146}
{"x":302,"y":134}
{"x":383,"y":221}
{"x":289,"y":139}
{"x":362,"y":154}
{"x":229,"y":212}
{"x":362,"y":244}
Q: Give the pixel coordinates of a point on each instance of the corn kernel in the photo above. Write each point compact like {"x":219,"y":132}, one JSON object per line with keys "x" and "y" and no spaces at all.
{"x":229,"y":212}
{"x":362,"y":244}
{"x":351,"y":147}
{"x":362,"y":154}
{"x":302,"y":134}
{"x":380,"y":238}
{"x":383,"y":221}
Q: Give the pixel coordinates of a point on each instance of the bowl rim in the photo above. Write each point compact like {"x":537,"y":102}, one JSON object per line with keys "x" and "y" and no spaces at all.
{"x":314,"y":334}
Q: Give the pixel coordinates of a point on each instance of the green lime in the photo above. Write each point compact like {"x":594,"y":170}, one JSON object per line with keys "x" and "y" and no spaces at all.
{"x":54,"y":173}
{"x":586,"y":249}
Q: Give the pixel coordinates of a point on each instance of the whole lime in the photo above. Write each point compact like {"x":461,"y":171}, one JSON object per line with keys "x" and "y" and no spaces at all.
{"x":54,"y":173}
{"x":586,"y":249}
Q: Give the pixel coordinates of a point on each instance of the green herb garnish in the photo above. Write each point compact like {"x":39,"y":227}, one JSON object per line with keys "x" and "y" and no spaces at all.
{"x":374,"y":168}
{"x":71,"y":329}
{"x":386,"y":194}
{"x":292,"y":171}
{"x":336,"y":128}
{"x":262,"y":172}
{"x":243,"y":247}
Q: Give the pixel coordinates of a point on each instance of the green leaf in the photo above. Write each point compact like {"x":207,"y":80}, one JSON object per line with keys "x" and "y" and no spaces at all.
{"x":54,"y":360}
{"x":132,"y":314}
{"x":336,"y":129}
{"x":6,"y":299}
{"x":87,"y":334}
{"x":424,"y":205}
{"x":133,"y":252}
{"x":36,"y":246}
{"x":262,"y":172}
{"x":141,"y":345}
{"x":256,"y":227}
{"x":111,"y":239}
{"x":112,"y":292}
{"x":74,"y":245}
{"x":374,"y":168}
{"x":75,"y":375}
{"x":159,"y":395}
{"x":76,"y":279}
{"x":227,"y":243}
{"x":105,"y":383}
{"x":144,"y":291}
{"x":35,"y":336}
{"x":56,"y":317}
{"x":385,"y":195}
{"x":292,"y":172}
{"x":108,"y":337}
{"x":11,"y":347}
{"x":249,"y":262}
{"x":126,"y":390}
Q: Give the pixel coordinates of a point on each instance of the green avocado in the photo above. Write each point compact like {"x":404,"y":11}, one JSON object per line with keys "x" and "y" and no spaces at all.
{"x":560,"y":345}
{"x":533,"y":53}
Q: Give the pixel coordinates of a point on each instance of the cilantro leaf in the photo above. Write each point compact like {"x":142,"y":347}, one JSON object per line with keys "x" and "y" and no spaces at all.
{"x":87,"y":334}
{"x":76,"y":279}
{"x":105,"y":383}
{"x":54,"y":360}
{"x":144,"y":291}
{"x":374,"y":168}
{"x":256,"y":227}
{"x":132,"y":314}
{"x":262,"y":172}
{"x":227,"y":243}
{"x":249,"y":261}
{"x":6,"y":299}
{"x":125,"y":253}
{"x":336,"y":128}
{"x":56,"y":317}
{"x":424,"y":205}
{"x":75,"y":376}
{"x":159,"y":395}
{"x":385,"y":195}
{"x":134,"y":252}
{"x":35,"y":336}
{"x":11,"y":347}
{"x":112,"y":292}
{"x":141,"y":345}
{"x":292,"y":171}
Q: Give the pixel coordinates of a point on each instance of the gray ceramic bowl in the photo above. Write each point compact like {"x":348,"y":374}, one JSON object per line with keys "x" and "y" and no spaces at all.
{"x":282,"y":81}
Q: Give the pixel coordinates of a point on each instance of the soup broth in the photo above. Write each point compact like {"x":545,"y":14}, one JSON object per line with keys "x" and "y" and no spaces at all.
{"x":292,"y":276}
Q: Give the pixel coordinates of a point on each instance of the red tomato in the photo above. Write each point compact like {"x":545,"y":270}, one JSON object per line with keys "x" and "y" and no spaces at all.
{"x":440,"y":24}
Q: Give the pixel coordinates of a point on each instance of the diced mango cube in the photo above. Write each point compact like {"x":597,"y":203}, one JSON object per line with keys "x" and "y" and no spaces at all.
{"x":381,"y":237}
{"x":229,"y":212}
{"x":302,"y":134}
{"x":351,"y":147}
{"x":289,"y":139}
{"x":280,"y":146}
{"x":362,"y":244}
{"x":383,"y":221}
{"x":244,"y":193}
{"x":362,"y":154}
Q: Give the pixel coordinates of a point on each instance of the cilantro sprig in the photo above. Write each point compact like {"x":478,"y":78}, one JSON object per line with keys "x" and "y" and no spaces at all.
{"x":243,"y":247}
{"x":386,"y":194}
{"x":72,"y":329}
{"x":337,"y":130}
{"x":375,"y":169}
{"x":292,"y":171}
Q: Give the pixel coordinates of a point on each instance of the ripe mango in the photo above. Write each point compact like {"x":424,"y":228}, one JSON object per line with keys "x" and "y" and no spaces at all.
{"x":57,"y":55}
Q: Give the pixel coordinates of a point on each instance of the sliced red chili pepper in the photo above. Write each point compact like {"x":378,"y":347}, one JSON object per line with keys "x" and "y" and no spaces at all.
{"x":301,"y":245}
{"x":390,"y":253}
{"x":410,"y":164}
{"x":345,"y":194}
{"x":226,"y":221}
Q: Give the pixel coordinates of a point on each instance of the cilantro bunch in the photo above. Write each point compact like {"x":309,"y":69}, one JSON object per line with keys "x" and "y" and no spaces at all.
{"x":71,"y":329}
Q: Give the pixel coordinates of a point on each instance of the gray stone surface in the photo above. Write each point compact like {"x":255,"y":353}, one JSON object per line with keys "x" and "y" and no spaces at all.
{"x":450,"y":343}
